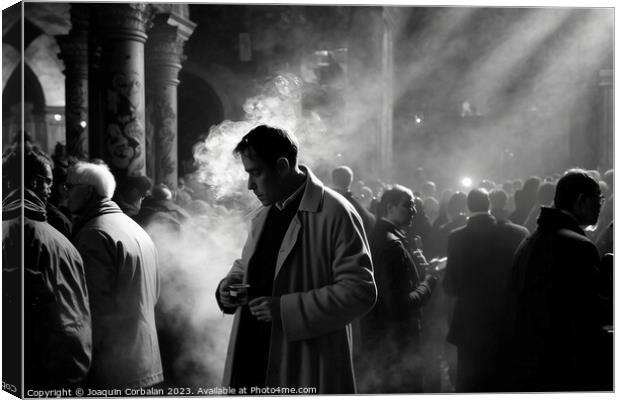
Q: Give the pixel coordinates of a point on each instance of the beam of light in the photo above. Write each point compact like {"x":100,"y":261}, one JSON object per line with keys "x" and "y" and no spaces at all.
{"x":490,"y":73}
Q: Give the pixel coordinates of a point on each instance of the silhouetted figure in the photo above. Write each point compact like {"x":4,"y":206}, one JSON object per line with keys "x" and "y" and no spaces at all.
{"x":457,"y":207}
{"x":342,"y":177}
{"x":130,"y":193}
{"x":391,"y":331}
{"x":546,"y":191}
{"x":525,"y":199}
{"x":160,"y":210}
{"x":57,"y":324}
{"x":554,"y":310}
{"x":120,"y":261}
{"x":420,"y":226}
{"x":479,"y":260}
{"x":498,"y":199}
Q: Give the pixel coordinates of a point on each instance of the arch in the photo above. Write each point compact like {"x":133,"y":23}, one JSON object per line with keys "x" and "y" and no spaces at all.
{"x":220,"y":79}
{"x":33,"y":92}
{"x":42,"y":56}
{"x":198,"y":107}
{"x":10,"y":61}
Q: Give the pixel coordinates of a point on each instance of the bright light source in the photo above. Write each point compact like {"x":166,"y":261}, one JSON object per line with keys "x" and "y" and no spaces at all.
{"x":466,"y":182}
{"x":57,"y":117}
{"x":83,"y":124}
{"x":339,"y":155}
{"x":418,"y":120}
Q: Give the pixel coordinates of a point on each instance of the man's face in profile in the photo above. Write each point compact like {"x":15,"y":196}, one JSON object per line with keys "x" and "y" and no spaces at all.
{"x":263,"y":179}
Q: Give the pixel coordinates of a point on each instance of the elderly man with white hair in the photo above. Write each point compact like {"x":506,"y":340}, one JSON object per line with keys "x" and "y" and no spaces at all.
{"x":121,"y":266}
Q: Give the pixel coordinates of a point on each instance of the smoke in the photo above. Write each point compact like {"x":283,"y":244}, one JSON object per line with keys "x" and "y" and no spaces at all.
{"x":501,"y":92}
{"x":194,"y":259}
{"x":478,"y":92}
{"x":193,"y":331}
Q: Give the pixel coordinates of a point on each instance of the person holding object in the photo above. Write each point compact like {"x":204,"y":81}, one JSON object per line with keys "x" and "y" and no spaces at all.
{"x":308,"y":265}
{"x":405,"y":282}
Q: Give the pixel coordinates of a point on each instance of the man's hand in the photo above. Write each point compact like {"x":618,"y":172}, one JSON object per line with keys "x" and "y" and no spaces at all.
{"x":227,"y":300}
{"x":265,"y":308}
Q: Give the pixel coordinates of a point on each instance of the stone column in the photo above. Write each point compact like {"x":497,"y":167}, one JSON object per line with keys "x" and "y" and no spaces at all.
{"x":74,"y":53}
{"x":164,"y":52}
{"x":606,"y":143}
{"x":122,"y":34}
{"x":387,"y":92}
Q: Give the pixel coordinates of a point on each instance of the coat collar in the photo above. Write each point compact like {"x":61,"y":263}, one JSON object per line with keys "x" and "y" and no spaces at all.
{"x":311,"y":200}
{"x":313,"y":193}
{"x":552,"y":218}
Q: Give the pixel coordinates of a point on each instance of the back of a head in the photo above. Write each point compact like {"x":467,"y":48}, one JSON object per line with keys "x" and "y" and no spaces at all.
{"x":487,"y":184}
{"x":429,"y":189}
{"x":530,"y":187}
{"x":392,"y":196}
{"x":457,"y":204}
{"x":35,"y":163}
{"x":141,"y":183}
{"x":268,"y":144}
{"x":571,"y":185}
{"x":546,"y":191}
{"x":95,"y":175}
{"x":161,"y":192}
{"x":498,"y":199}
{"x":342,"y":176}
{"x":478,"y":200}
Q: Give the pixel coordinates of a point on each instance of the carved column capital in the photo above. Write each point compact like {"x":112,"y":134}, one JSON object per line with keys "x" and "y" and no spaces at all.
{"x":124,"y":21}
{"x":164,"y":48}
{"x":74,"y":52}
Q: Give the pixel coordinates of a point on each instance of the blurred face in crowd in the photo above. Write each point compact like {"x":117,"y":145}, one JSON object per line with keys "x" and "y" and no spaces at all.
{"x":264,"y":180}
{"x":42,"y":183}
{"x":401,"y":214}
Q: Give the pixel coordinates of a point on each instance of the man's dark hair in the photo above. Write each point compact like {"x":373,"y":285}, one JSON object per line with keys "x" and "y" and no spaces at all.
{"x":546,"y":191}
{"x":457,"y":204}
{"x":571,"y":185}
{"x":498,"y":198}
{"x":478,"y":200}
{"x":393,"y":195}
{"x":35,"y":161}
{"x":268,"y":144}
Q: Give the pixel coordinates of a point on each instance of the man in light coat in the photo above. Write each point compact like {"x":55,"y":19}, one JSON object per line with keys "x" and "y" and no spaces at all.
{"x":121,"y":266}
{"x":308,"y":263}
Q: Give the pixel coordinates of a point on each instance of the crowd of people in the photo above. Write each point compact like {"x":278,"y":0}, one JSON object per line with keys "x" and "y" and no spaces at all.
{"x":348,"y":286}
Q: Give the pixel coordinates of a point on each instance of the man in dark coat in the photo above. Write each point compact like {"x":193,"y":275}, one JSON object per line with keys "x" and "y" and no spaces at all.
{"x":342,"y":177}
{"x":159,"y":209}
{"x":57,"y":324}
{"x":555,"y":306}
{"x":122,"y":274}
{"x":479,"y":260}
{"x":391,"y":331}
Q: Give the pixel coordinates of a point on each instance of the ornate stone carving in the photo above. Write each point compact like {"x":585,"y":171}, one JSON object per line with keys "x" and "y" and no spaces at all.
{"x":128,"y":21}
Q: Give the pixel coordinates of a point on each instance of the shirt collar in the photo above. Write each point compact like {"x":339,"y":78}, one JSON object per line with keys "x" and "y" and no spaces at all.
{"x":280,"y":205}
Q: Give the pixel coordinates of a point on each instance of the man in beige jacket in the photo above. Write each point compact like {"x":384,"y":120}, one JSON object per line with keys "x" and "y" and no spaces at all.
{"x":308,"y":265}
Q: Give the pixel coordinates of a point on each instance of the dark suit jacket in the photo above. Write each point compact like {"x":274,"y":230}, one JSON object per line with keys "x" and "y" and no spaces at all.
{"x":554,"y":314}
{"x":479,"y":259}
